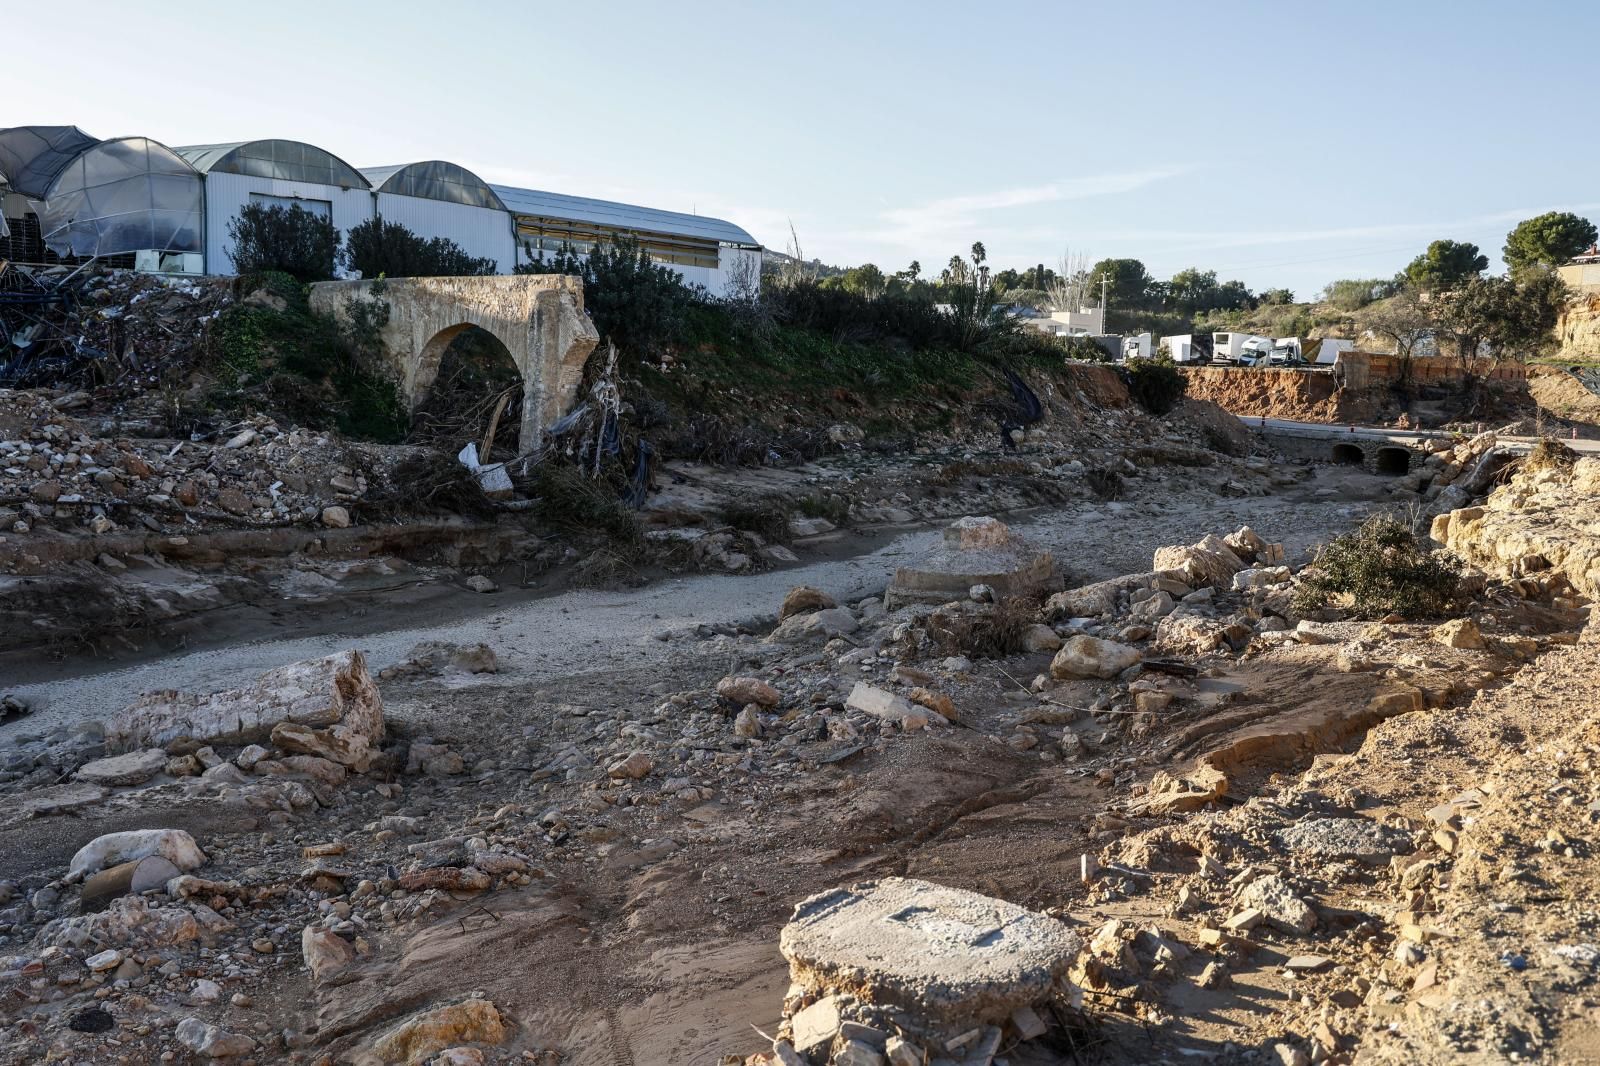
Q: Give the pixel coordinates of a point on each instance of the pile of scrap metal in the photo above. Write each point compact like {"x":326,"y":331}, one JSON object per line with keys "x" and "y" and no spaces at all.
{"x":37,"y":344}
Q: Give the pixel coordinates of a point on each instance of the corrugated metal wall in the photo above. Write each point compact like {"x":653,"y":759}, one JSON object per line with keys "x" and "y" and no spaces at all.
{"x":227,"y":194}
{"x":480,"y":231}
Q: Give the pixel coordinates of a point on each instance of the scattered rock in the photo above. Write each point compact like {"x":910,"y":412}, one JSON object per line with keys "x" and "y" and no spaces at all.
{"x":212,"y":1042}
{"x":1279,"y":906}
{"x":1460,"y":633}
{"x":1085,"y":656}
{"x":423,"y":1035}
{"x":133,"y":768}
{"x":746,"y":690}
{"x":326,"y":953}
{"x":803,"y":599}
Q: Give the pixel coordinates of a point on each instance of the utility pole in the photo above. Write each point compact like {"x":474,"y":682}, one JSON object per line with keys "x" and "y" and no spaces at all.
{"x":1105,"y":280}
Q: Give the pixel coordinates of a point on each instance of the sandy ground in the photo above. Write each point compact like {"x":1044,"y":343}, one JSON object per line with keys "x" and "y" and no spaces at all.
{"x":588,"y":630}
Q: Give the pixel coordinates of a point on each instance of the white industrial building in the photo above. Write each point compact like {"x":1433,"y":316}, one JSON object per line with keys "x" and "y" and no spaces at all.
{"x":440,"y":199}
{"x":154,"y":208}
{"x":706,"y":251}
{"x":273,"y":173}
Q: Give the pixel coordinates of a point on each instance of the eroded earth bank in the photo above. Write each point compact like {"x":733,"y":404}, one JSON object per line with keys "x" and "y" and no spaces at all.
{"x":1065,"y":755}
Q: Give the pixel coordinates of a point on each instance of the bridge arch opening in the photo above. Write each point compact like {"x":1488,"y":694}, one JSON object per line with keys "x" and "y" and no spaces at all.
{"x":477,"y":389}
{"x":1393,"y":461}
{"x":1349,"y":455}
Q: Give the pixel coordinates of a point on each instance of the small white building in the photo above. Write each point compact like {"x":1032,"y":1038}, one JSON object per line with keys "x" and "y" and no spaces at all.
{"x":274,"y":173}
{"x":442,"y":199}
{"x":1136,"y":347}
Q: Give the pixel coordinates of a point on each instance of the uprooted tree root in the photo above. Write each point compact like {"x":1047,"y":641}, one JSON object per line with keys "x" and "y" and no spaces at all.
{"x":428,"y":481}
{"x":993,"y":633}
{"x":574,"y":503}
{"x":1549,"y":454}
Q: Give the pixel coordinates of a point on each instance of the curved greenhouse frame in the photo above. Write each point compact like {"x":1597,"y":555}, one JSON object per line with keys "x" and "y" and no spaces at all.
{"x":435,"y":179}
{"x":31,"y":157}
{"x":129,"y":194}
{"x":272,"y":158}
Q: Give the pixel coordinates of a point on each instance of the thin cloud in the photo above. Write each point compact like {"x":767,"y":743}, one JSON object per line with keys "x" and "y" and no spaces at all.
{"x":950,"y":220}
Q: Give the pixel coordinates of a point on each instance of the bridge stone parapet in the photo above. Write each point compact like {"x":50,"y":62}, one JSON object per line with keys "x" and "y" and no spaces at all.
{"x":539,"y":318}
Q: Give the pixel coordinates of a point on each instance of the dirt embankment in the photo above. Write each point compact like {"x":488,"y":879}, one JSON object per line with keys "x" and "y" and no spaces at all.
{"x":1563,"y":394}
{"x":1296,"y":394}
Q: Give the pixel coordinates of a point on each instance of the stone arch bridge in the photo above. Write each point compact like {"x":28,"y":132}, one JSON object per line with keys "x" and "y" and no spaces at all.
{"x":539,"y":318}
{"x":1379,"y":451}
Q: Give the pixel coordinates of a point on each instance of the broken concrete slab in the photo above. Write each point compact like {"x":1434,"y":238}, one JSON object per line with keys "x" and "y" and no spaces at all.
{"x":975,"y":551}
{"x":131,"y":768}
{"x":59,"y":799}
{"x":322,"y":692}
{"x":950,"y":955}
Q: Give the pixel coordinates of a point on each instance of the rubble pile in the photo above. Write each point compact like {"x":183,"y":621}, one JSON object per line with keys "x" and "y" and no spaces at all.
{"x":57,"y":473}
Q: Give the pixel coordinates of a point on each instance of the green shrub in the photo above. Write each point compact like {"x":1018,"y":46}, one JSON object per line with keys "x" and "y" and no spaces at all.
{"x":380,"y":248}
{"x":634,"y":302}
{"x":290,"y":239}
{"x":1382,"y":569}
{"x":1157,"y":385}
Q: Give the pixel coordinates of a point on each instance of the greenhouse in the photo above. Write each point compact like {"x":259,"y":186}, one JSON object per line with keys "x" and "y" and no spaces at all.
{"x":436,"y":198}
{"x":73,"y":197}
{"x":274,"y":173}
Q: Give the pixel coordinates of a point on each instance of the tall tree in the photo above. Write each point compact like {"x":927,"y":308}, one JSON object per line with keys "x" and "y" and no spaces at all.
{"x":1446,"y":265}
{"x":1129,"y":283}
{"x":1546,"y":241}
{"x":865,"y":280}
{"x":1515,"y":320}
{"x":1193,"y":290}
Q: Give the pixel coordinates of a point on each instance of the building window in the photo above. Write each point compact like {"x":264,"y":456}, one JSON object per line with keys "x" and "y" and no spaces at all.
{"x":320,"y":208}
{"x":543,"y":236}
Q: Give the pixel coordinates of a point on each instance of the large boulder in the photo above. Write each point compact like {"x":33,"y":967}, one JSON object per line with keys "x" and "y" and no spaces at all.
{"x":425,"y":1034}
{"x":1208,"y":562}
{"x":1084,"y":656}
{"x":336,"y":690}
{"x":174,"y":845}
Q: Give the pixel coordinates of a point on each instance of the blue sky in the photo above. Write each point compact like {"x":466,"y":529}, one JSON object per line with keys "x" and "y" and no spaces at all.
{"x":1281,"y":143}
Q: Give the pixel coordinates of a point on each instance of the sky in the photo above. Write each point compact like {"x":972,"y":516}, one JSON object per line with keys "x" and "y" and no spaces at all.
{"x":1283,"y":144}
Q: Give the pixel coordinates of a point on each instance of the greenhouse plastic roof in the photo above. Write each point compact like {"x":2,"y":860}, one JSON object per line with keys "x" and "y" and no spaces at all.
{"x":271,"y":158}
{"x":129,"y":194}
{"x":32,"y":156}
{"x":434,"y":179}
{"x":621,"y":216}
